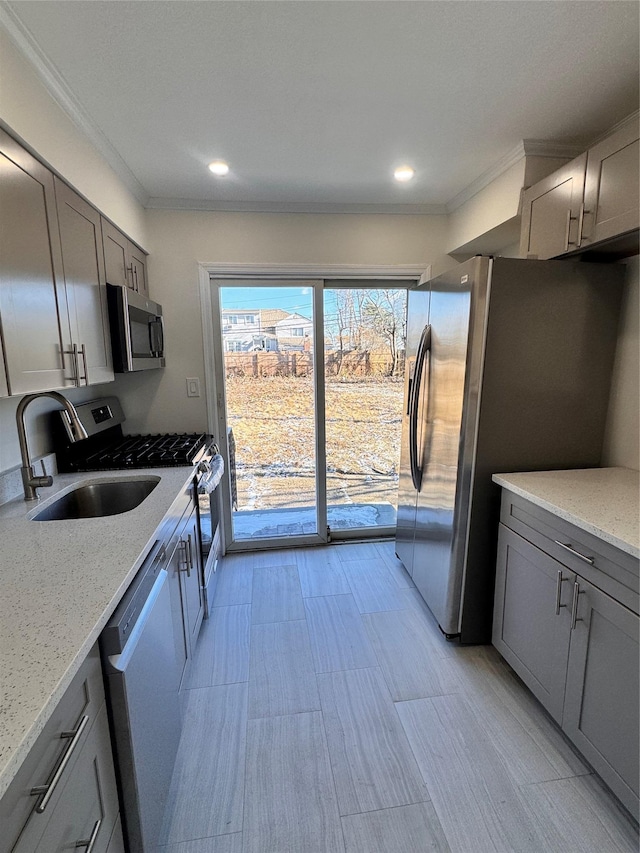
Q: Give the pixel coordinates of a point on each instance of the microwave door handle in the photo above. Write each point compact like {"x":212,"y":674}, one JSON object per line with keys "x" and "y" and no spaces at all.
{"x":156,"y":336}
{"x":126,"y":327}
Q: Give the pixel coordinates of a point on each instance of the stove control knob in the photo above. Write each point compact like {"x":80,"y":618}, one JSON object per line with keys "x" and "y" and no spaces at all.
{"x":204,"y":467}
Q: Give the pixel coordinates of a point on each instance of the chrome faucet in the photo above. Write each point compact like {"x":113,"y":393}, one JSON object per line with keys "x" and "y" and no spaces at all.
{"x":30,"y":481}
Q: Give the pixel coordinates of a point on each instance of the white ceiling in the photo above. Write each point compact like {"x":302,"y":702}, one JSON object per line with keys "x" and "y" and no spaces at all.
{"x":314,"y":103}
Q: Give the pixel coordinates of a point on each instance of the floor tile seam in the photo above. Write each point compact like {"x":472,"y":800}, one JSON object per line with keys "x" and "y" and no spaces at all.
{"x":162,"y":847}
{"x":332,"y":770}
{"x":385,"y":809}
{"x":277,"y":621}
{"x":537,"y":737}
{"x":279,"y":716}
{"x":217,"y":684}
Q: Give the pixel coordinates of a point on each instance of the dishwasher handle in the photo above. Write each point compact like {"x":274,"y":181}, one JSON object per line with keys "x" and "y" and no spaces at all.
{"x":119,"y":662}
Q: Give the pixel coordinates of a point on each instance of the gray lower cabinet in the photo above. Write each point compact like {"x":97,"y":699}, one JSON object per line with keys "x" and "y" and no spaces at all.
{"x":573,"y":644}
{"x":64,"y":795}
{"x":601,"y":700}
{"x":183,"y":568}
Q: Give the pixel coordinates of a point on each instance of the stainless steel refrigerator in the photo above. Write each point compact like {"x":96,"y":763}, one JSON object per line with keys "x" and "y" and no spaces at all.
{"x":508,"y":369}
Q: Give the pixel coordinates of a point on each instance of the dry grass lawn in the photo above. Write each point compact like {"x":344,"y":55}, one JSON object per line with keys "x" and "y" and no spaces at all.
{"x":273,"y":424}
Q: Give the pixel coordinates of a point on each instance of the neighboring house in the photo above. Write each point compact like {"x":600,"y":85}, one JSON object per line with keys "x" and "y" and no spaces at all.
{"x":239,"y":318}
{"x":294,"y":332}
{"x":271,"y":330}
{"x":246,"y":342}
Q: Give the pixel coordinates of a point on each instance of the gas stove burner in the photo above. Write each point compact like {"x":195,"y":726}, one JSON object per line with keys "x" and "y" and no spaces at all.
{"x":147,"y":451}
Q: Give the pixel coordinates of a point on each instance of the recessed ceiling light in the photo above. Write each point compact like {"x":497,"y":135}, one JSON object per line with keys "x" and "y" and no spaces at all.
{"x":219,"y":168}
{"x":404,"y":173}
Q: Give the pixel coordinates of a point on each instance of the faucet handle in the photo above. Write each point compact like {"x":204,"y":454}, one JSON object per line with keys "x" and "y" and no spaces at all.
{"x":45,"y":479}
{"x":44,"y":470}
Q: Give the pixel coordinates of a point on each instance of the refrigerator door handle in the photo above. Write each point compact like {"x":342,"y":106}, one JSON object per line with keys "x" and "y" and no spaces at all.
{"x":424,"y":348}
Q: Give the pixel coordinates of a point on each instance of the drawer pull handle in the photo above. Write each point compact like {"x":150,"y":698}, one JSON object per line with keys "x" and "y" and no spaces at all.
{"x":567,"y":547}
{"x":48,"y":790}
{"x":559,"y":583}
{"x":89,"y":843}
{"x":574,"y":605}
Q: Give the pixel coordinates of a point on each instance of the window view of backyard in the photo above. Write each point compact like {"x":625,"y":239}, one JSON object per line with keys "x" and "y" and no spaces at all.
{"x":269,"y":356}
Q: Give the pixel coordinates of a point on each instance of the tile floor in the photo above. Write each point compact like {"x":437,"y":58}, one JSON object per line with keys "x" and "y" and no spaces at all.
{"x":326,"y":714}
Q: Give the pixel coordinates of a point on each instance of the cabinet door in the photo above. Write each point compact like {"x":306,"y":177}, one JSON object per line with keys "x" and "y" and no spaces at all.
{"x":611,"y":196}
{"x":138,"y":263}
{"x":551,"y":211}
{"x":532,"y":621}
{"x":115,"y":255}
{"x":84,"y":276}
{"x":33,"y":308}
{"x":181,"y":641}
{"x":88,"y":806}
{"x":601,"y":714}
{"x":190,"y":575}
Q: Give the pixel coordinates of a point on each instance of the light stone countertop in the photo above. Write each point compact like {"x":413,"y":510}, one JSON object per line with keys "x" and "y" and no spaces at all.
{"x":603,"y":501}
{"x":60,"y":581}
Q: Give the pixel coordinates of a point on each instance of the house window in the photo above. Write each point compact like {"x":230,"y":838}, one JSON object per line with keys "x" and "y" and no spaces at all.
{"x":297,"y":333}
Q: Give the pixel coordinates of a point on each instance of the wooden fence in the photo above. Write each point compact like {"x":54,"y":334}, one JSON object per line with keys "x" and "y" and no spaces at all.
{"x":258,"y":364}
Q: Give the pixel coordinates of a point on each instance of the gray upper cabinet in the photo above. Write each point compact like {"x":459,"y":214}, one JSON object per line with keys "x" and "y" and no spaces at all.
{"x":125,"y":263}
{"x":611,"y":195}
{"x":551,"y":212}
{"x":566,"y":619}
{"x":587,"y":203}
{"x":85,"y":286}
{"x":33,"y":309}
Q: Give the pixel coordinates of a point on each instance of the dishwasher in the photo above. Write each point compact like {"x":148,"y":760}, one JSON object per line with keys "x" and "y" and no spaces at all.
{"x":139,"y":664}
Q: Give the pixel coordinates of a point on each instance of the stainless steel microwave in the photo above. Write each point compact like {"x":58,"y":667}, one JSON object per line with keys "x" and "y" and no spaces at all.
{"x":137,"y":330}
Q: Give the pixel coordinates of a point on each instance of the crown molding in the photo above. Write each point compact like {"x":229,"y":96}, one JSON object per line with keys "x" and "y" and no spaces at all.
{"x":525,"y":148}
{"x":634,"y":118}
{"x":61,"y":93}
{"x":293,"y":207}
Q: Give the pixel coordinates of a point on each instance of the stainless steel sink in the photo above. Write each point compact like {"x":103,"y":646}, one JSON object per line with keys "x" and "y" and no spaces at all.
{"x":95,"y":500}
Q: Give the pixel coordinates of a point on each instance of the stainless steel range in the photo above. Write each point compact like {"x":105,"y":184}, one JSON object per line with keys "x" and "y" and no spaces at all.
{"x":107,"y":448}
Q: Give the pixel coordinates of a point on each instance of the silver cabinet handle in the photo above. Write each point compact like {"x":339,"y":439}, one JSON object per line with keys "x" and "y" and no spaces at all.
{"x":567,"y":547}
{"x":559,"y":591}
{"x":190,"y":551}
{"x":89,"y":843}
{"x":581,"y":224}
{"x":577,"y":592}
{"x":567,"y":241}
{"x":48,"y":789}
{"x":187,"y":564}
{"x":83,"y":353}
{"x":73,"y":352}
{"x":129,"y":278}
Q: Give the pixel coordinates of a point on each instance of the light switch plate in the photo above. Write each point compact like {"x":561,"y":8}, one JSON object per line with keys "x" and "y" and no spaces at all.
{"x":193,"y":386}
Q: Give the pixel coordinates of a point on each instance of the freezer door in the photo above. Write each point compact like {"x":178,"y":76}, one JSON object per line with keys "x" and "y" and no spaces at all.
{"x":449,"y":415}
{"x":417,"y":319}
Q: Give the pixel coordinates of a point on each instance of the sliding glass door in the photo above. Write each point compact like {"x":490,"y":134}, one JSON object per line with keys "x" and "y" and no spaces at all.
{"x":309,"y":390}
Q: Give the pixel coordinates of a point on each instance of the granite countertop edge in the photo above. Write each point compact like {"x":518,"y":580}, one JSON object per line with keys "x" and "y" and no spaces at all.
{"x":612,"y":515}
{"x":60,"y":582}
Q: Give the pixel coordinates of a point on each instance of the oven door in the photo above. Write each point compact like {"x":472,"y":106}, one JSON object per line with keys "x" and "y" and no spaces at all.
{"x":208,"y":503}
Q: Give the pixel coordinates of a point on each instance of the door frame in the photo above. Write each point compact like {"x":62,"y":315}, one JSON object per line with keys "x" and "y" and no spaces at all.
{"x":214,"y":388}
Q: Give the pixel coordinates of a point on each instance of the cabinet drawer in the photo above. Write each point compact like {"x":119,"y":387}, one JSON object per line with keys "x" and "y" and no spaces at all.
{"x":606,"y":567}
{"x":84,"y":698}
{"x":87,"y":807}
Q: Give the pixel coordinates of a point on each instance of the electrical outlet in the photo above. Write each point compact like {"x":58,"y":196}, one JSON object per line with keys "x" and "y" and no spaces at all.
{"x":193,"y":386}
